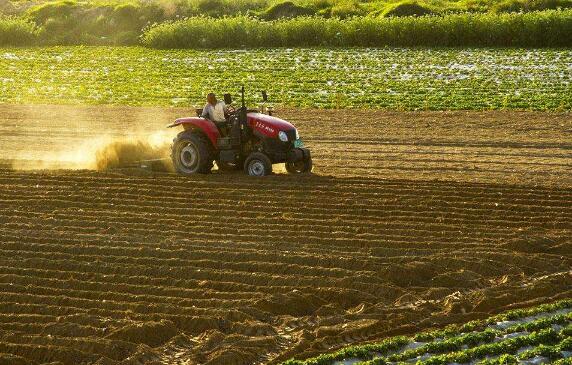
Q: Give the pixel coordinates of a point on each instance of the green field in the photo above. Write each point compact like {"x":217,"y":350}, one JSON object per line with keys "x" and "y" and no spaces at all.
{"x":538,"y":334}
{"x":397,"y":79}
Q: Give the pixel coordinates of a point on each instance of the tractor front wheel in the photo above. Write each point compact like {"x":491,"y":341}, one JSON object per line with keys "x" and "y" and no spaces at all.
{"x":258,"y":164}
{"x":191,"y":154}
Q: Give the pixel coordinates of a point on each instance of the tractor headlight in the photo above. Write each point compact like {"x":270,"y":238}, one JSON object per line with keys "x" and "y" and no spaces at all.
{"x":297,"y":135}
{"x":282,"y":136}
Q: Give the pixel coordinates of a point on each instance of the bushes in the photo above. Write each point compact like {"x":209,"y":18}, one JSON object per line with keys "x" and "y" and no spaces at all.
{"x":118,"y":22}
{"x":286,"y":9}
{"x":70,"y":22}
{"x":218,"y":8}
{"x":324,"y":8}
{"x":334,"y":23}
{"x":209,"y":6}
{"x":17,"y":32}
{"x":407,"y":8}
{"x":59,"y":10}
{"x":6,"y":7}
{"x":511,"y":6}
{"x":539,"y":29}
{"x":346,"y":9}
{"x":507,"y":6}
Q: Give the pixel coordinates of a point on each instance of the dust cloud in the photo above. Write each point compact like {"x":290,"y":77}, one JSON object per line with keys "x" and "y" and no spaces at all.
{"x":143,"y":151}
{"x":104,"y":153}
{"x":80,"y":137}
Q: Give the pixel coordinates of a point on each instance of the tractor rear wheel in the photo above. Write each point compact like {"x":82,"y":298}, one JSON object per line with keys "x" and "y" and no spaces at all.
{"x":191,"y":154}
{"x":300,"y":167}
{"x":258,"y":164}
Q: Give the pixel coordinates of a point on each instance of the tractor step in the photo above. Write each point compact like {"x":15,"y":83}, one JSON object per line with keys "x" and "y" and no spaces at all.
{"x":226,"y":143}
{"x":228,"y":155}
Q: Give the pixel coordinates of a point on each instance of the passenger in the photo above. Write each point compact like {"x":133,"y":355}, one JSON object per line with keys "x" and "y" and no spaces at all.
{"x":214,"y":110}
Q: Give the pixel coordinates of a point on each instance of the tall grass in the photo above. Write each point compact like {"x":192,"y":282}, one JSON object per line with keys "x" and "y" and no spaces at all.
{"x":17,"y":32}
{"x":550,"y":28}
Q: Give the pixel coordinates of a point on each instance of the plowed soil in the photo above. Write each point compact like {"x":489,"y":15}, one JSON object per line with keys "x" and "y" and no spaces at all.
{"x":410,"y":221}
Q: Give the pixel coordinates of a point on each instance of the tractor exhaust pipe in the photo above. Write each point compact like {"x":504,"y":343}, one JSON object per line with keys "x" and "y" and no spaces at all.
{"x":242,"y":96}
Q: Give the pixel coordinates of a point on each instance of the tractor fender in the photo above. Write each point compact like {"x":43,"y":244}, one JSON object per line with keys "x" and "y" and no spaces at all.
{"x":207,"y":127}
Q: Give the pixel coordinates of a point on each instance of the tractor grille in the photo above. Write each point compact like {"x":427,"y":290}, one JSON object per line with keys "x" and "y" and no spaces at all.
{"x":275,"y":145}
{"x":278,"y":150}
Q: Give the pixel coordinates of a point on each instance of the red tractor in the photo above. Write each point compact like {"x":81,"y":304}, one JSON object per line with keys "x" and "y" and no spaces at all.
{"x":249,"y":139}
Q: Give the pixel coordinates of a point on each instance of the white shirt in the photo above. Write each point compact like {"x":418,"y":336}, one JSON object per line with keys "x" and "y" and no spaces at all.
{"x":215,"y":113}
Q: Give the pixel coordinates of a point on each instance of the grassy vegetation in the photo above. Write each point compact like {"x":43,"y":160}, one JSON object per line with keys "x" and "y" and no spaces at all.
{"x":395,"y":79}
{"x":291,"y":8}
{"x":17,"y":32}
{"x":474,"y":341}
{"x":540,"y":29}
{"x":323,"y":22}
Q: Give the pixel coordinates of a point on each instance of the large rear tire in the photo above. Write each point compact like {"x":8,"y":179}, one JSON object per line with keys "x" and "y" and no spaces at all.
{"x":191,"y":154}
{"x":300,"y":167}
{"x":258,"y":164}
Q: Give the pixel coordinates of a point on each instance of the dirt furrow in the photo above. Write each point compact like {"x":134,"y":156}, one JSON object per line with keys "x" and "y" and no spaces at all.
{"x":410,"y":221}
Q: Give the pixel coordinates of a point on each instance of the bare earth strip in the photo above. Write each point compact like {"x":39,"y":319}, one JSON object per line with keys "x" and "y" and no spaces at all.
{"x":530,"y":148}
{"x":411,"y":221}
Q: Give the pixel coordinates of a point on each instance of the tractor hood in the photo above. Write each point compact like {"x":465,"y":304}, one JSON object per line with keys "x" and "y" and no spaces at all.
{"x":267,"y":125}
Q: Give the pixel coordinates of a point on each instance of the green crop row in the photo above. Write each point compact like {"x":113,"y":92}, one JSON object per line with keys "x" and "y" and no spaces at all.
{"x":472,"y":339}
{"x":455,"y":330}
{"x":392,"y":78}
{"x":552,"y":352}
{"x":364,"y":351}
{"x":509,"y":346}
{"x":461,"y":344}
{"x":451,"y":344}
{"x":541,"y":323}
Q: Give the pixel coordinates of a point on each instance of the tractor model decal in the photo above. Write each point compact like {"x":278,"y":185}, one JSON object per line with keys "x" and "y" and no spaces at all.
{"x":265,"y":127}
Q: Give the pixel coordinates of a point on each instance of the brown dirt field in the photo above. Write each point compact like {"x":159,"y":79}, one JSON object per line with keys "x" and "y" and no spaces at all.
{"x":411,"y":221}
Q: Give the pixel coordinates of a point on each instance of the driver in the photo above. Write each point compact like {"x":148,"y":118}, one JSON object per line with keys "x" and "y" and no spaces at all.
{"x":215,"y":110}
